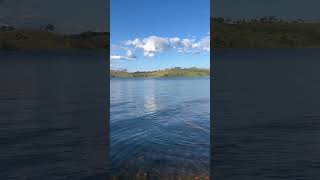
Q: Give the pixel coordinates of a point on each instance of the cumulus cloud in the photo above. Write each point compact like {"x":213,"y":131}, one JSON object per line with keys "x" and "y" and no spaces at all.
{"x":128,"y":56}
{"x":203,"y":45}
{"x":136,"y":42}
{"x":152,"y":45}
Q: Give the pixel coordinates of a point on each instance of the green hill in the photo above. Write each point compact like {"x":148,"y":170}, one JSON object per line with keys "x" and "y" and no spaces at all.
{"x":264,"y":33}
{"x":46,"y":40}
{"x":173,"y":72}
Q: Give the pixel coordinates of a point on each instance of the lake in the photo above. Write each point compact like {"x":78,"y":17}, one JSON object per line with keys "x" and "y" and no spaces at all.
{"x":53,"y":115}
{"x":265,"y":125}
{"x":266,"y":120}
{"x":160,"y":126}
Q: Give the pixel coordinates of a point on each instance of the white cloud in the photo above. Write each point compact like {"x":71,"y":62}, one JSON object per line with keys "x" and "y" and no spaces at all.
{"x":175,"y":40}
{"x":152,"y":45}
{"x":203,"y":45}
{"x":115,"y":47}
{"x":128,"y":56}
{"x":136,"y":42}
{"x":184,"y":45}
{"x":148,"y":54}
{"x":116,"y":57}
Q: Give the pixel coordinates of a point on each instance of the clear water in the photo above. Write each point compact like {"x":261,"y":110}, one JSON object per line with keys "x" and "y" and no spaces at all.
{"x":266,"y":121}
{"x":160,"y":126}
{"x":52,"y":107}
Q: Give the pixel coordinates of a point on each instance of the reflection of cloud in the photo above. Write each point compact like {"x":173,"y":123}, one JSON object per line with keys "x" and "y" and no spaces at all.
{"x":150,"y":105}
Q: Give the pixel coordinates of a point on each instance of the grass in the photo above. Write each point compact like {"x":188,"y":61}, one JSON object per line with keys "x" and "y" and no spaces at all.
{"x":173,"y":72}
{"x":256,"y":34}
{"x":29,"y":39}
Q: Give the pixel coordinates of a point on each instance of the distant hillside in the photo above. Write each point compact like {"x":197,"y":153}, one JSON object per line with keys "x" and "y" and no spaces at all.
{"x":47,"y":40}
{"x":173,"y":72}
{"x":264,"y":33}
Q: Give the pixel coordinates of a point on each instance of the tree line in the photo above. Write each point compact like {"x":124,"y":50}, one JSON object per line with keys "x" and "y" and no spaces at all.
{"x":47,"y":27}
{"x":267,"y":19}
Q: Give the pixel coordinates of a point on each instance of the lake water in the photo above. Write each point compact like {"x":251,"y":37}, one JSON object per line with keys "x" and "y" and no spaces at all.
{"x":52,"y":112}
{"x":266,"y":120}
{"x":160,"y":126}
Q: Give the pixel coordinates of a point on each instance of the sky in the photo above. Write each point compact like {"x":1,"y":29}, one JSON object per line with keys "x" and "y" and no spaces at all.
{"x":157,"y":34}
{"x":68,"y":16}
{"x":283,"y":9}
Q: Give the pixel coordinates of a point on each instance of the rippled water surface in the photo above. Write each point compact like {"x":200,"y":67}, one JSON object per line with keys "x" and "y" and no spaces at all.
{"x":160,"y":125}
{"x":52,"y":112}
{"x":266,"y":123}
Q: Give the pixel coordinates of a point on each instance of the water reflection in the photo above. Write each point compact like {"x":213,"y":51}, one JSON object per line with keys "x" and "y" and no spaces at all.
{"x":150,"y":105}
{"x":160,"y":126}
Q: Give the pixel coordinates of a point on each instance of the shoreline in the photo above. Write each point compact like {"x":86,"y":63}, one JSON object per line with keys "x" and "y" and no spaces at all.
{"x":172,"y":72}
{"x":38,"y":40}
{"x":158,"y":77}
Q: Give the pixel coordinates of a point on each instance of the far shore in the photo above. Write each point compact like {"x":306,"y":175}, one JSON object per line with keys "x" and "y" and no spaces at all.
{"x":172,"y":72}
{"x":49,"y":40}
{"x":266,"y":32}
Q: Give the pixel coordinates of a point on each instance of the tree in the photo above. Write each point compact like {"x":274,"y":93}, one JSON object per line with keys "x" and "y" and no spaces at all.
{"x":272,"y":19}
{"x":48,"y":27}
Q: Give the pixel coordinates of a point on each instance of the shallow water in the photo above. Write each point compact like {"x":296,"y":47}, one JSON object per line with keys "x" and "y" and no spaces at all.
{"x":52,"y":107}
{"x":266,"y":122}
{"x":160,"y":126}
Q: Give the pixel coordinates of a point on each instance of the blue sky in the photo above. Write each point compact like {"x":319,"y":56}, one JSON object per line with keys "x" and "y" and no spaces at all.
{"x":158,"y":34}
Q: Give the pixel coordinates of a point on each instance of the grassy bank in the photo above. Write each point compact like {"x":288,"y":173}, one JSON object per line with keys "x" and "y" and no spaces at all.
{"x":173,"y":72}
{"x":47,"y":40}
{"x":264,"y":33}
